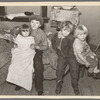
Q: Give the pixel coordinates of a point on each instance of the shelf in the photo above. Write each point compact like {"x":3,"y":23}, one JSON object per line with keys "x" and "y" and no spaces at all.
{"x":21,"y":19}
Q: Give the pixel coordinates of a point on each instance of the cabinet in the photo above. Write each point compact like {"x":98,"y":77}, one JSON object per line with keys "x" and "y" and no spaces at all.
{"x":61,"y":14}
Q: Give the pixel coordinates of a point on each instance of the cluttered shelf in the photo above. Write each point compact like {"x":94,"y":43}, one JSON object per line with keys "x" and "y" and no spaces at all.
{"x":21,"y":19}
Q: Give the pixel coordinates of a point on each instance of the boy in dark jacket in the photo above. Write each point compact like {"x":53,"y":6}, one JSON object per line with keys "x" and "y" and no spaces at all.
{"x":63,"y":44}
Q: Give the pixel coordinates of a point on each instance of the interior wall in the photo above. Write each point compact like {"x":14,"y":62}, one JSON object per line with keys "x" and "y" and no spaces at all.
{"x":90,"y":18}
{"x":20,"y":9}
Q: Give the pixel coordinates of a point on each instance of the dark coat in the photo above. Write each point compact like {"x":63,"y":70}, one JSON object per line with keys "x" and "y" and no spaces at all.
{"x":66,"y":45}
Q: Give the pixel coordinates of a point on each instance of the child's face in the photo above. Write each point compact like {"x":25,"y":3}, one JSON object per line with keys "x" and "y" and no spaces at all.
{"x":65,"y":31}
{"x":35,"y":24}
{"x":25,"y":32}
{"x":82,"y":36}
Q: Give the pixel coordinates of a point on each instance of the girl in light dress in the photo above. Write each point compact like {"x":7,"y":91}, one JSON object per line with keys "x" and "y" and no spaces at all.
{"x":21,"y":69}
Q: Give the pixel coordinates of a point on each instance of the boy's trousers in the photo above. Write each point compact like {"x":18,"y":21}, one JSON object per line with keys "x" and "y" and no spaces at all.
{"x":73,"y":67}
{"x":93,"y":63}
{"x":39,"y":68}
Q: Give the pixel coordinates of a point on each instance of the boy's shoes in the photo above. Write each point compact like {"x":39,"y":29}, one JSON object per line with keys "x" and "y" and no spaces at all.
{"x":96,"y":75}
{"x":76,"y":89}
{"x":40,"y":92}
{"x":90,"y":74}
{"x":17,"y":88}
{"x":59,"y":87}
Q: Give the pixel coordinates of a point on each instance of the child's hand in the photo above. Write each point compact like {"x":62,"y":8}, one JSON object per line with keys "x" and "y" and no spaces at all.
{"x":15,"y":45}
{"x":37,"y":47}
{"x":87,"y":64}
{"x":32,"y":46}
{"x":60,"y":35}
{"x":94,"y":54}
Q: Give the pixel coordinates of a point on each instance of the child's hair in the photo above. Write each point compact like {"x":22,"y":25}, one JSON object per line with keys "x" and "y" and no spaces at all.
{"x":81,"y":29}
{"x":24,"y":27}
{"x":67,"y":24}
{"x":37,"y":18}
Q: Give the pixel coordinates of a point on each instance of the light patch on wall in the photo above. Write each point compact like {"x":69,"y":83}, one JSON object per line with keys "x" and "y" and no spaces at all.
{"x":20,"y":9}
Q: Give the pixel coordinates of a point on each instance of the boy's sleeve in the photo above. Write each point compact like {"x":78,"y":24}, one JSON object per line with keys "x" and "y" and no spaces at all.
{"x":32,"y":39}
{"x":65,"y":47}
{"x":45,"y":44}
{"x":53,"y":41}
{"x":77,"y":47}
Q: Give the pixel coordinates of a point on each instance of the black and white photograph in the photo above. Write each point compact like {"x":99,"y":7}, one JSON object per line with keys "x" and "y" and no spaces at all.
{"x":50,"y":50}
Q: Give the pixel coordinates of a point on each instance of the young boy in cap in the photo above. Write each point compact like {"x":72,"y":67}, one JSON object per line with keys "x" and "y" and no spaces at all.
{"x":41,"y":44}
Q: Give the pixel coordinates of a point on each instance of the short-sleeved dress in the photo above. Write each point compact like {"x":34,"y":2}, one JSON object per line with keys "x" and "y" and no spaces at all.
{"x":21,"y":69}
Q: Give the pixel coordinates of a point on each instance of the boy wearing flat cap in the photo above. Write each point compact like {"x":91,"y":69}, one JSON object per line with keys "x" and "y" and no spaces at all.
{"x":41,"y":44}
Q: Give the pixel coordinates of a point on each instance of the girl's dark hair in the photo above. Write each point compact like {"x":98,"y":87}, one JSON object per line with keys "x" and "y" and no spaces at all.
{"x":24,"y":26}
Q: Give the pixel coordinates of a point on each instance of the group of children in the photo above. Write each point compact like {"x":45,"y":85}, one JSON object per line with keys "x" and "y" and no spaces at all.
{"x":29,"y":45}
{"x":72,"y":49}
{"x":70,"y":45}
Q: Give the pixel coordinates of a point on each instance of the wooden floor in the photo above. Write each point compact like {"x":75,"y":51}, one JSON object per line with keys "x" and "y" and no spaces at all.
{"x":87,"y":86}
